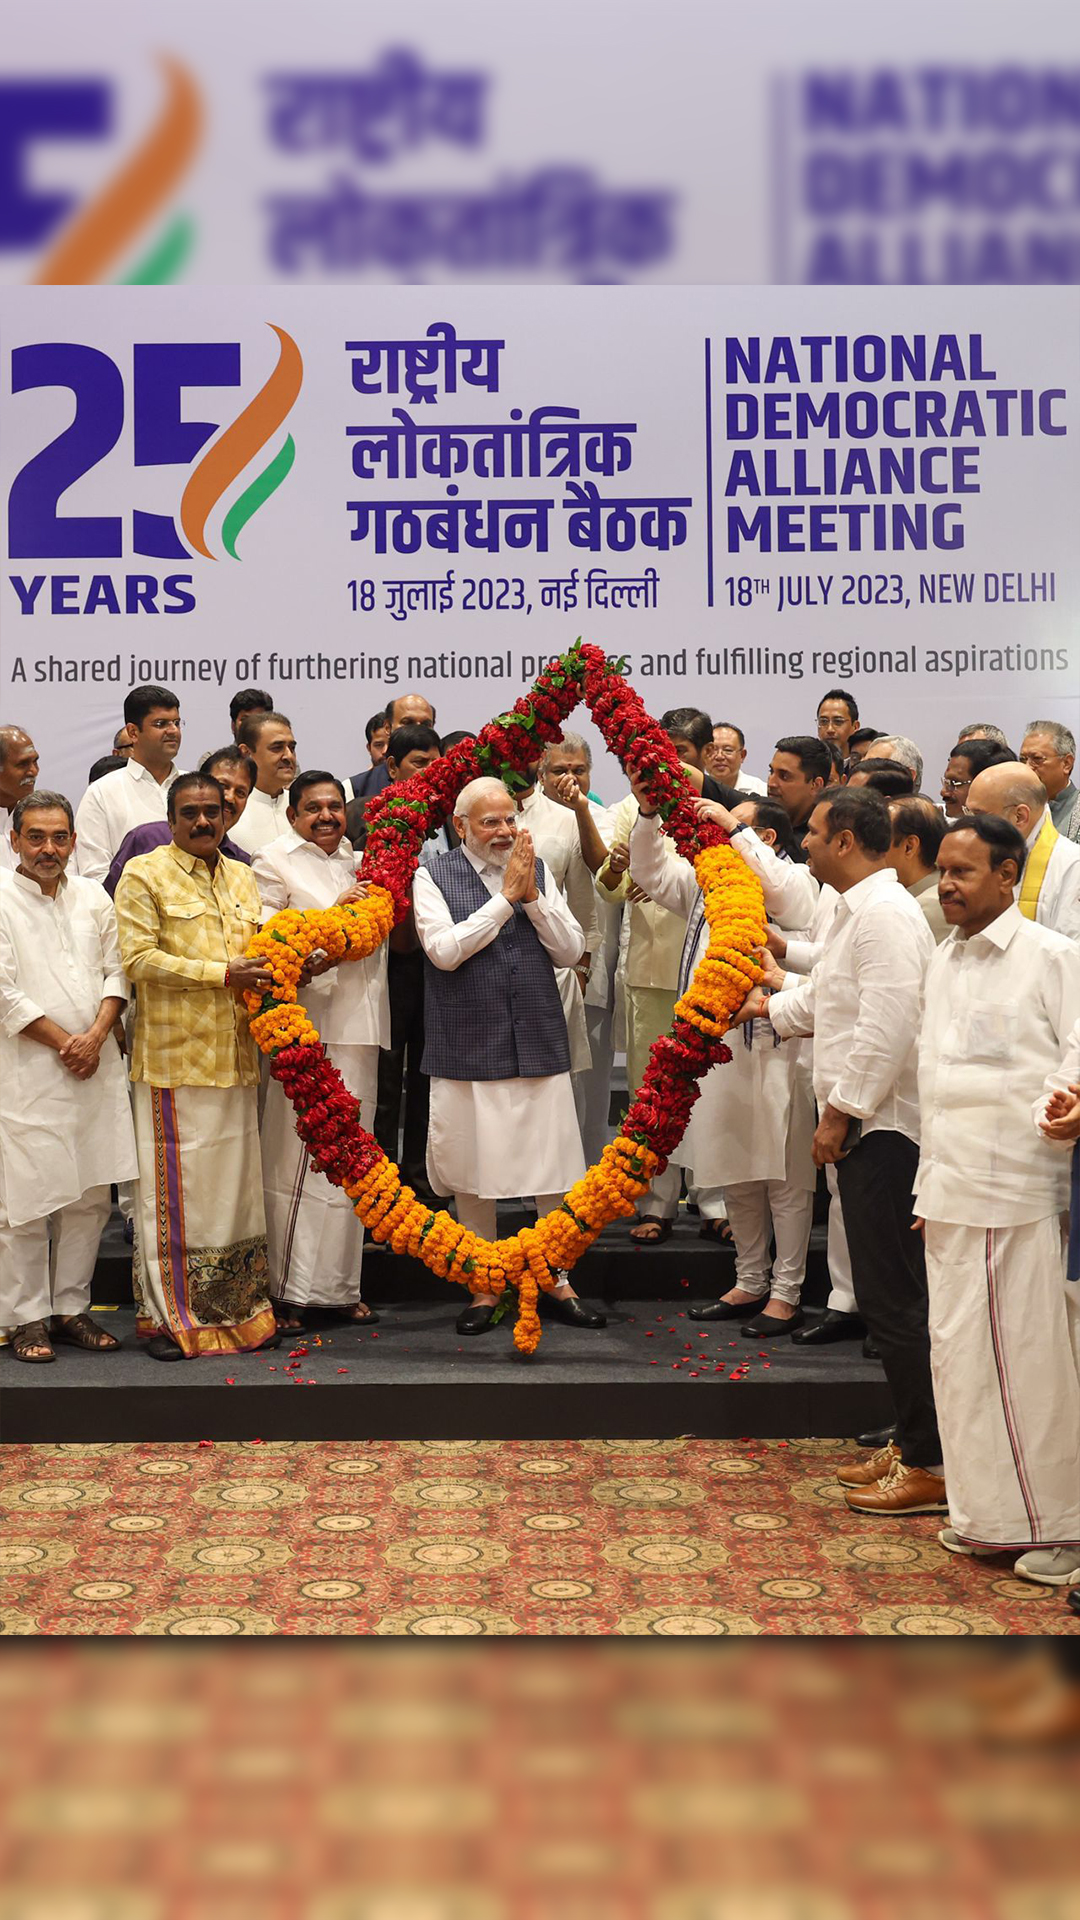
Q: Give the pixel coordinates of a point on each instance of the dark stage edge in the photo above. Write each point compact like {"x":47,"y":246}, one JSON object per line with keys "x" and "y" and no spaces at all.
{"x":414,"y":1378}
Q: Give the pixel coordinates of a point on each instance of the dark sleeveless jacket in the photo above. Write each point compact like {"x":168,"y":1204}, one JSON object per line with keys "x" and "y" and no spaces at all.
{"x":498,"y":1016}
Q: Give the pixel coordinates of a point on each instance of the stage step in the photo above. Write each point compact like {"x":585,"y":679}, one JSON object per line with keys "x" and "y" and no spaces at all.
{"x":613,"y":1268}
{"x":652,"y":1373}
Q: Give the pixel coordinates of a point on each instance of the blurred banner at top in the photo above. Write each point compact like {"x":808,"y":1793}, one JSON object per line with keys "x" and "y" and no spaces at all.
{"x":591,"y":141}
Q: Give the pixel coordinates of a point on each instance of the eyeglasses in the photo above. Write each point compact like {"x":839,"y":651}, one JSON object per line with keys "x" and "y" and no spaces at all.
{"x":955,"y":786}
{"x":1037,"y":759}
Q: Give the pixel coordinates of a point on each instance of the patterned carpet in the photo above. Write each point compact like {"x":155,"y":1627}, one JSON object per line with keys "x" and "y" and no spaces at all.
{"x":669,"y":1537}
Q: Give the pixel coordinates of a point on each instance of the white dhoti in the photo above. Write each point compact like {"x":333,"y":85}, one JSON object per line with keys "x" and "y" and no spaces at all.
{"x":499,"y":1139}
{"x":314,"y":1239}
{"x":46,"y":1265}
{"x":1005,"y":1353}
{"x":201,"y":1271}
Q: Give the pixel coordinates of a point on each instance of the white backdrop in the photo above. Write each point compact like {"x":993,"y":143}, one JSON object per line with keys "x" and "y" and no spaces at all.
{"x":127,"y":408}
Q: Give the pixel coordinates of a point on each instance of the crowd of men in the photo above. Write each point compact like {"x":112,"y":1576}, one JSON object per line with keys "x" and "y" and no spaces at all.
{"x":916,"y":1039}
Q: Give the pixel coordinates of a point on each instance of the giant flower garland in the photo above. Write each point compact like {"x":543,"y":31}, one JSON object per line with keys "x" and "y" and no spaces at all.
{"x":400,"y":818}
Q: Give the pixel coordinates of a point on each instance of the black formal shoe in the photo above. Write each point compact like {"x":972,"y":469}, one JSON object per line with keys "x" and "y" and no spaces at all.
{"x":879,"y":1438}
{"x":832,"y":1326}
{"x":869,"y":1351}
{"x":160,"y":1347}
{"x":1072,"y":1599}
{"x":572,"y":1311}
{"x":723,"y":1309}
{"x":767,"y":1327}
{"x":474,"y":1319}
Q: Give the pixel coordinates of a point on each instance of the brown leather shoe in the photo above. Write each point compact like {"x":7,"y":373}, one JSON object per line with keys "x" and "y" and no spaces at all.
{"x":867,"y":1473}
{"x":903,"y":1490}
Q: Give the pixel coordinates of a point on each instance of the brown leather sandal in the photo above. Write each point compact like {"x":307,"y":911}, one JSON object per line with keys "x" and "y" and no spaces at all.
{"x":33,"y":1333}
{"x":80,"y":1331}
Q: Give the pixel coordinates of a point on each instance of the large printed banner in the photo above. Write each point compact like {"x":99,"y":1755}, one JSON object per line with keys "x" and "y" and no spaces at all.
{"x":540,"y":141}
{"x":753,"y":494}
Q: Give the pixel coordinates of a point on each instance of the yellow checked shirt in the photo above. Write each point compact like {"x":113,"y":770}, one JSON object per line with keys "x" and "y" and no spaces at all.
{"x":180,"y":926}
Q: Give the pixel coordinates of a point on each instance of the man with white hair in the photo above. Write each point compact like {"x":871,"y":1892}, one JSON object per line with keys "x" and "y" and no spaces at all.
{"x":897,"y":746}
{"x":494,"y":928}
{"x":984,"y":730}
{"x":1049,"y":749}
{"x":1049,"y":892}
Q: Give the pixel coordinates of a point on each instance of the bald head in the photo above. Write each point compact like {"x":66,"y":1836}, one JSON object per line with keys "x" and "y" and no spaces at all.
{"x":18,"y":766}
{"x":1012,"y":791}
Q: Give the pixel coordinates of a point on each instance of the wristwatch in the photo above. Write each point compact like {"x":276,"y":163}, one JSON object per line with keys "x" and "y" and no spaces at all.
{"x":741,"y":828}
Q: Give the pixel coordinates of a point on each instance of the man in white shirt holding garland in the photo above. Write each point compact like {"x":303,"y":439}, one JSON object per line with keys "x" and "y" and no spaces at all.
{"x":1049,"y":892}
{"x":1002,"y":994}
{"x":134,"y":794}
{"x":65,"y":1121}
{"x":268,"y":740}
{"x":314,"y":1239}
{"x":863,"y":1005}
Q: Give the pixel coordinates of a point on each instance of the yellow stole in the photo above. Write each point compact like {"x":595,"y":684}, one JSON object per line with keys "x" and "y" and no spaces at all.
{"x":1035,"y":867}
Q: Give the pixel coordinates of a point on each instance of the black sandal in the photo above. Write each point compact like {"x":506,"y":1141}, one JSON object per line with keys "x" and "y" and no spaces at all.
{"x":80,"y":1331}
{"x":653,"y":1239}
{"x":719,"y":1231}
{"x":33,"y":1333}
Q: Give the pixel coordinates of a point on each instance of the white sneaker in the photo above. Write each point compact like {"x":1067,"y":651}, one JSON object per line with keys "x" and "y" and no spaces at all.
{"x":1050,"y":1566}
{"x":952,"y":1543}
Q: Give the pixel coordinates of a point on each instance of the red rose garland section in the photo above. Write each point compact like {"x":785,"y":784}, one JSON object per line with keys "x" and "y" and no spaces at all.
{"x":328,"y":1117}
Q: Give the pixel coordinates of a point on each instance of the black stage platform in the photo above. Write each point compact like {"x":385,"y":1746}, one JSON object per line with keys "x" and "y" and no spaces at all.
{"x":650,"y":1374}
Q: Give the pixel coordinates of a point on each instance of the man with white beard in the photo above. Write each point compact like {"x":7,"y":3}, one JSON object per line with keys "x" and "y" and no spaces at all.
{"x":494,"y":927}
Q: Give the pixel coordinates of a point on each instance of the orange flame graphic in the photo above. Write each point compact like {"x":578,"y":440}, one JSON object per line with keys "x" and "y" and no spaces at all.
{"x":101,"y":232}
{"x":249,"y":431}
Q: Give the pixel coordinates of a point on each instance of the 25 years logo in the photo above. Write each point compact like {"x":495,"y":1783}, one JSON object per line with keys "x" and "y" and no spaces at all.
{"x":217,"y":453}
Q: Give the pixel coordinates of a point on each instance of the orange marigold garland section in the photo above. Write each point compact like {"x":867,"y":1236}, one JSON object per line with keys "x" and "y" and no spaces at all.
{"x":328,"y":1116}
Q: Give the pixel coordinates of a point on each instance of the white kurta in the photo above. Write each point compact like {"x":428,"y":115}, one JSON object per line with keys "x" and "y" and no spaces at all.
{"x":59,"y":1136}
{"x":499,"y":1139}
{"x":109,"y":809}
{"x":1058,"y":904}
{"x":314,"y":1239}
{"x":1004,"y":1326}
{"x":265,"y":818}
{"x":753,"y":1119}
{"x":557,"y":843}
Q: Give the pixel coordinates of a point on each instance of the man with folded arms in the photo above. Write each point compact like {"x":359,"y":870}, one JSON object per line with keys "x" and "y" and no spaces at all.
{"x":65,"y":1124}
{"x":863,"y":1005}
{"x":494,"y":927}
{"x":1001,"y":997}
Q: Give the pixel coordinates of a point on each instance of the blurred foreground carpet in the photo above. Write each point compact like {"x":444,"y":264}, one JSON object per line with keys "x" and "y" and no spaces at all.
{"x":672,"y":1537}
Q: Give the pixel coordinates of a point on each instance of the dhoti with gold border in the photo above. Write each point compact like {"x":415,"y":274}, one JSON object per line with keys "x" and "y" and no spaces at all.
{"x":201,"y":1269}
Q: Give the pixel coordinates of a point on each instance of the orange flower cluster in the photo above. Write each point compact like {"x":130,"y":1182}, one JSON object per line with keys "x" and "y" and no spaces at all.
{"x":529,"y":1260}
{"x":348,"y":932}
{"x":735,"y":912}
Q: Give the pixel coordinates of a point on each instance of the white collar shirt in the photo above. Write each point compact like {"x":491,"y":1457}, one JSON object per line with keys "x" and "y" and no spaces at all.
{"x":265,"y":818}
{"x":999,"y":1009}
{"x":863,"y":1005}
{"x":349,"y":1004}
{"x":109,"y":809}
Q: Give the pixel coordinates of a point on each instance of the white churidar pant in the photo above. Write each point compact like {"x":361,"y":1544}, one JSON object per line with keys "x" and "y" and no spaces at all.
{"x":758,"y":1209}
{"x":1005,"y":1354}
{"x":46,"y":1265}
{"x":480,"y":1215}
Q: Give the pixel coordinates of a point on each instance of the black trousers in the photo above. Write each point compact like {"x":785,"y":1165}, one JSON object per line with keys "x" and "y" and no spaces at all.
{"x":400,"y":1078}
{"x":888,"y":1270}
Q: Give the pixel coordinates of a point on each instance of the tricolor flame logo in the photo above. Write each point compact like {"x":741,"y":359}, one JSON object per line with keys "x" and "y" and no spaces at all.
{"x":96,"y":241}
{"x":236,"y":447}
